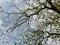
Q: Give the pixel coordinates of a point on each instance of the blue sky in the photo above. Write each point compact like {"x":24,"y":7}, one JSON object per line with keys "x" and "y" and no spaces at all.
{"x":9,"y":39}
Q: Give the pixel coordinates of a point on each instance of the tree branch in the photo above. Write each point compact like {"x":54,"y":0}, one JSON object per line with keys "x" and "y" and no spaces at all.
{"x":53,"y":7}
{"x":50,"y":34}
{"x":10,"y":29}
{"x":42,"y":9}
{"x":37,"y":11}
{"x":16,"y":7}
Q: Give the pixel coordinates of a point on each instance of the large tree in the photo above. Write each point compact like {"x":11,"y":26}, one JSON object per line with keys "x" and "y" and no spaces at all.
{"x":48,"y":14}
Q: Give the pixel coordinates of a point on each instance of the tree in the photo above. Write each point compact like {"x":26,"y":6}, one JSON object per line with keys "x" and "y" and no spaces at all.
{"x":47,"y":22}
{"x":50,"y":18}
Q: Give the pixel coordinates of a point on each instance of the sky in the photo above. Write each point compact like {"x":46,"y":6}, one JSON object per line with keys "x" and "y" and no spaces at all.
{"x":9,"y":38}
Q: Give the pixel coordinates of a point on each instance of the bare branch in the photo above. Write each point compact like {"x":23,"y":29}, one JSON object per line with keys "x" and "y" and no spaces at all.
{"x":17,"y":7}
{"x":40,"y":10}
{"x":37,"y":11}
{"x":50,"y":34}
{"x":15,"y":13}
{"x":10,"y":29}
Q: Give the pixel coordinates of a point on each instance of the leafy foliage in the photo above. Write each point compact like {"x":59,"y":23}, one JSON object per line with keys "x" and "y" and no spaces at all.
{"x":50,"y":16}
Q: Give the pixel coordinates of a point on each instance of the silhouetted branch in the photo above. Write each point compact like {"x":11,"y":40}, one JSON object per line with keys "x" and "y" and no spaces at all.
{"x":49,"y":33}
{"x":10,"y":29}
{"x":42,"y":9}
{"x":37,"y":11}
{"x":53,"y":7}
